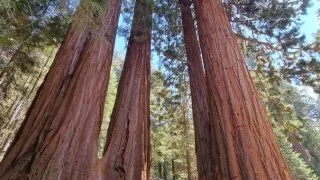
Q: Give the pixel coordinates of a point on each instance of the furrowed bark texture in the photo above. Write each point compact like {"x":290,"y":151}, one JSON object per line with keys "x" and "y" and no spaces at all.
{"x":59,"y":136}
{"x":127,"y":152}
{"x":244,"y":144}
{"x":199,"y":96}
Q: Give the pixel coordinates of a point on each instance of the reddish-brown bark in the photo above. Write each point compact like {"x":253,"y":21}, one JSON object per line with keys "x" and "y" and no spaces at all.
{"x":244,"y":144}
{"x":199,"y":96}
{"x":127,"y":152}
{"x":58,"y":138}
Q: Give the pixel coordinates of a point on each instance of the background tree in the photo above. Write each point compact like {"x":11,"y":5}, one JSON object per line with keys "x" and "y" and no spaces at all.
{"x":172,"y":129}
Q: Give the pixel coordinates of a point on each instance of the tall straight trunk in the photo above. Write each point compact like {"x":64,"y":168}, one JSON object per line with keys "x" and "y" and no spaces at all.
{"x":189,"y":173}
{"x":10,"y":127}
{"x":243,"y":141}
{"x":127,"y":152}
{"x":6,"y":128}
{"x":59,"y":136}
{"x":186,"y":134}
{"x":173,"y":170}
{"x":12,"y":59}
{"x":165,"y":173}
{"x":160,"y":169}
{"x":199,"y":95}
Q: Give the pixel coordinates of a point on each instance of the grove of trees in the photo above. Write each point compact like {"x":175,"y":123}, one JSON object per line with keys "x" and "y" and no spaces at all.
{"x":207,"y":89}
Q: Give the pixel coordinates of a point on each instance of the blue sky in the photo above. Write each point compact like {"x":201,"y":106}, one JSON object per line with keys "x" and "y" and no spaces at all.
{"x":309,"y":28}
{"x":311,"y":21}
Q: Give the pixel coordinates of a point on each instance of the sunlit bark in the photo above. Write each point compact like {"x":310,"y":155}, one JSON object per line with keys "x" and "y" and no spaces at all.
{"x":59,"y":136}
{"x":243,"y":141}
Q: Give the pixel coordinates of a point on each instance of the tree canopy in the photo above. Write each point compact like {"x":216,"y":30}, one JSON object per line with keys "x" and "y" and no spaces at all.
{"x":283,"y":64}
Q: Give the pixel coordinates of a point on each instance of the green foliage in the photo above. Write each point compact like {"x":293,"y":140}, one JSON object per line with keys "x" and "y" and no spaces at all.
{"x":28,"y":28}
{"x":29,"y":35}
{"x":30,"y":21}
{"x":16,"y":100}
{"x":270,"y":28}
{"x":298,"y":167}
{"x":272,"y":44}
{"x":89,"y":14}
{"x":172,"y":129}
{"x":271,"y":31}
{"x":288,"y":114}
{"x":311,"y":140}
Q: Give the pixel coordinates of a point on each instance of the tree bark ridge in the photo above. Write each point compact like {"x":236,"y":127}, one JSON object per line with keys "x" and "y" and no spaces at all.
{"x":127,"y":150}
{"x":59,"y":136}
{"x":244,"y":144}
{"x":199,"y":94}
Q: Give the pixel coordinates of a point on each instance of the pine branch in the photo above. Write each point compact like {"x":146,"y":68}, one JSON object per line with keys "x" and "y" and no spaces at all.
{"x":269,"y":45}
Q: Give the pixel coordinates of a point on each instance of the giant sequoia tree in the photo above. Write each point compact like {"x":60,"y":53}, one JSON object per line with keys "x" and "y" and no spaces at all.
{"x":234,"y":139}
{"x":59,"y":136}
{"x":199,"y":94}
{"x":244,"y":144}
{"x":127,"y":151}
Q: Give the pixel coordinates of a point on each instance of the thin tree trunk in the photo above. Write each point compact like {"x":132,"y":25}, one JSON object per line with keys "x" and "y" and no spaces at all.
{"x":198,"y":87}
{"x":6,"y":128}
{"x":59,"y":136}
{"x":127,"y":152}
{"x":10,"y":128}
{"x":189,"y":173}
{"x":243,"y":141}
{"x":173,"y":170}
{"x":186,"y":134}
{"x":298,"y":147}
{"x":165,"y":169}
{"x":12,"y":59}
{"x":160,"y":169}
{"x":12,"y":109}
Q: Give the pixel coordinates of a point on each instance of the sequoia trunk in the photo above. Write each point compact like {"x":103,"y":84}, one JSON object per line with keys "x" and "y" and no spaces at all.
{"x":127,"y":152}
{"x":243,"y":141}
{"x":59,"y":136}
{"x":198,"y":86}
